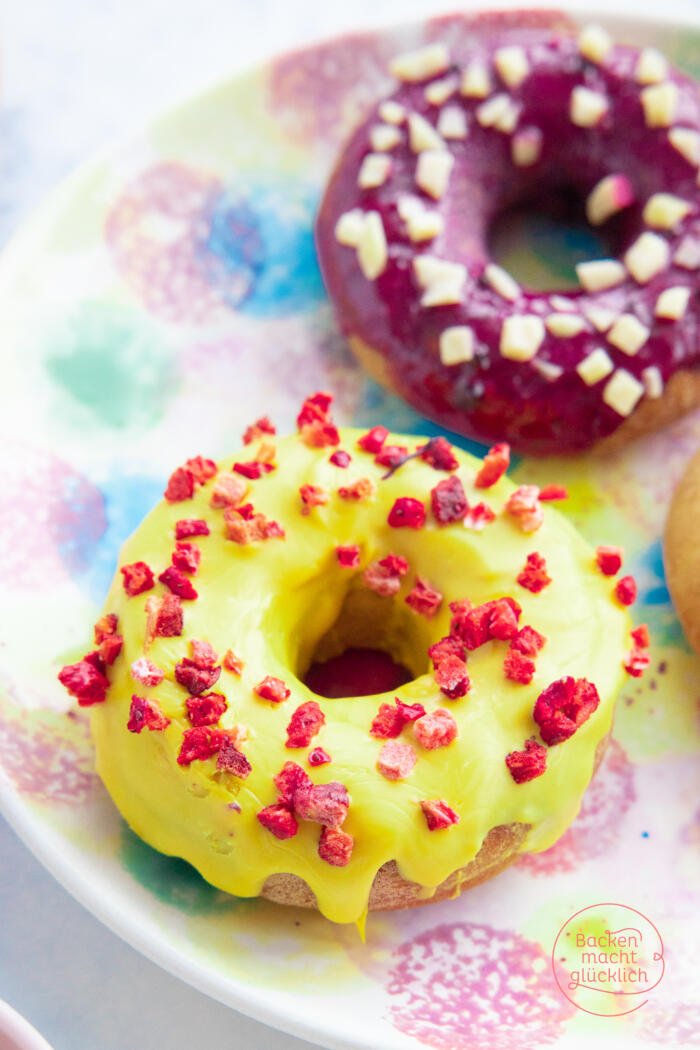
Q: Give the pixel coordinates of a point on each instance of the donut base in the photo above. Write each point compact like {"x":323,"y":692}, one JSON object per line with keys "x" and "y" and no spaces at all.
{"x":682,"y":553}
{"x":681,"y":395}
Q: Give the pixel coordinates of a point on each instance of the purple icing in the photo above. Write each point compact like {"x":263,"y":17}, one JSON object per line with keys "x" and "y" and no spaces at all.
{"x":491,"y":397}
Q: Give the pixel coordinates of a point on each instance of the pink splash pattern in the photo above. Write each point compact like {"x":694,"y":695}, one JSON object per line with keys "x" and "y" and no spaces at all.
{"x":471,"y":985}
{"x":156,"y":233}
{"x":596,"y":829}
{"x":50,"y":517}
{"x":47,"y":763}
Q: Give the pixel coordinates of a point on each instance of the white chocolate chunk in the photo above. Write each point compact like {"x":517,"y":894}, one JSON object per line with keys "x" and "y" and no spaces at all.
{"x":547,"y":369}
{"x":587,"y":108}
{"x":564,"y":326}
{"x":647,"y":257}
{"x":599,"y":316}
{"x":476,"y":81}
{"x":372,"y":253}
{"x":526,"y":147}
{"x":608,"y":197}
{"x":490,"y":113}
{"x":415,"y":66}
{"x":651,"y":68}
{"x":374,"y":171}
{"x":653,"y":381}
{"x":512,"y":65}
{"x":521,"y":337}
{"x":501,"y":282}
{"x":594,"y":44}
{"x":687,"y":255}
{"x":672,"y":303}
{"x":508,"y":120}
{"x":439,"y":91}
{"x":433,"y":170}
{"x":622,"y":392}
{"x":600,"y":274}
{"x":663,"y":211}
{"x":456,"y":345}
{"x":660,"y":102}
{"x":349,"y":227}
{"x":687,"y":142}
{"x":628,"y":334}
{"x":424,"y":225}
{"x":596,"y":366}
{"x":561,"y":303}
{"x":442,"y":281}
{"x":383,"y":137}
{"x":392,"y":112}
{"x":452,"y":123}
{"x":422,"y":135}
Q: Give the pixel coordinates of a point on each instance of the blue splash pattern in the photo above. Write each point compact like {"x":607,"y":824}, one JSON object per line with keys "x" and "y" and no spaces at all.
{"x":264,"y":235}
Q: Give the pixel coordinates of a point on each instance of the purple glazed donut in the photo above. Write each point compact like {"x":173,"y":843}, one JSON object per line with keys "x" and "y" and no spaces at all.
{"x":403,"y":226}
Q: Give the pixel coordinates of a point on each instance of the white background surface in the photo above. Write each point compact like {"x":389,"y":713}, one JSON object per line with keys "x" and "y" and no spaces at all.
{"x":77,"y":73}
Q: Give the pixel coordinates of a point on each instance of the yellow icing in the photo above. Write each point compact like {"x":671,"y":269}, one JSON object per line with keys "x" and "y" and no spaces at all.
{"x":273,"y":602}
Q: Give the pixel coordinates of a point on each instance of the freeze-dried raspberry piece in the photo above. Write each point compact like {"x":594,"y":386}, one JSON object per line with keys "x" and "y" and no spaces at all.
{"x":438,"y":452}
{"x":244,"y":527}
{"x":325,"y":804}
{"x":390,"y":720}
{"x":318,"y":756}
{"x":495,"y":619}
{"x":524,"y":505}
{"x":448,"y":646}
{"x":231,"y":760}
{"x":478,"y":517}
{"x":200,"y":743}
{"x":361,"y":489}
{"x":451,"y":677}
{"x":105,"y":627}
{"x":637,"y":661}
{"x":448,"y":501}
{"x":110,"y":648}
{"x":180,"y":485}
{"x":348,"y":557}
{"x":164,"y":617}
{"x":438,"y":814}
{"x":195,"y":678}
{"x":407,"y":513}
{"x":258,"y":429}
{"x":373,"y":440}
{"x":145,"y":714}
{"x":186,"y":557}
{"x":178,"y":583}
{"x":424,"y":598}
{"x":138,"y":577}
{"x":201,"y":469}
{"x":518,"y":668}
{"x":529,"y":763}
{"x":146,"y":673}
{"x":203,"y":654}
{"x":313,"y":496}
{"x":305,"y":723}
{"x":254,"y":469}
{"x":279,"y":821}
{"x":503,"y":619}
{"x":232,"y":663}
{"x":609,"y":560}
{"x":391,"y":456}
{"x":640,"y":636}
{"x":228,"y":491}
{"x":316,"y":406}
{"x":528,"y":641}
{"x":564,"y":706}
{"x":272,"y":688}
{"x":551,"y":493}
{"x":396,"y":761}
{"x":206,"y":710}
{"x":495,"y":464}
{"x":314,"y":422}
{"x":187,"y":527}
{"x":290,"y":778}
{"x":436,"y":729}
{"x":85,"y":681}
{"x":384,"y":576}
{"x":340,"y":458}
{"x":626,"y":590}
{"x":534,"y":577}
{"x":335,"y":847}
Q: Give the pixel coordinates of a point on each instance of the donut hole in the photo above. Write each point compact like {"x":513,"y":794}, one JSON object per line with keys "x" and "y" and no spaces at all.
{"x":373,"y":645}
{"x":540,"y":239}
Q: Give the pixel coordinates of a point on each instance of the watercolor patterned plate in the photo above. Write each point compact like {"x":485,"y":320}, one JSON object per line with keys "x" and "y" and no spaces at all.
{"x":162,"y":298}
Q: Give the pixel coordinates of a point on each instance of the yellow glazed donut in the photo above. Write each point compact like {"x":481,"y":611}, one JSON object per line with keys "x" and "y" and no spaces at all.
{"x":514,"y":632}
